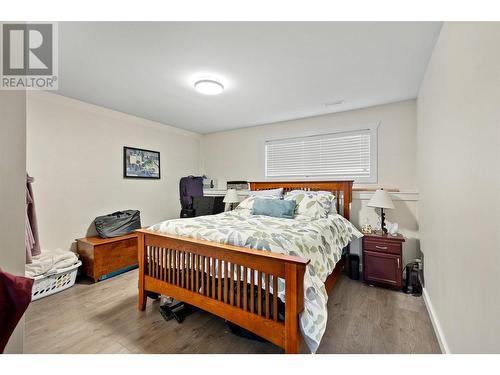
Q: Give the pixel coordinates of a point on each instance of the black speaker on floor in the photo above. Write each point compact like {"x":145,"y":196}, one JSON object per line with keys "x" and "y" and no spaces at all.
{"x":353,"y":269}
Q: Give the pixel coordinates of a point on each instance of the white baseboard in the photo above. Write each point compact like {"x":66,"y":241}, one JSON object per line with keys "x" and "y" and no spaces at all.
{"x":435,"y":323}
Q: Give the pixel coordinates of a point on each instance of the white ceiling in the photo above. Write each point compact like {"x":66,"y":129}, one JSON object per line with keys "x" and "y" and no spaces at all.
{"x":272,"y":71}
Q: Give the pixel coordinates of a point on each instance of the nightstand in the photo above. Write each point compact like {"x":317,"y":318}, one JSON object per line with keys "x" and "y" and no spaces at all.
{"x":383,"y":260}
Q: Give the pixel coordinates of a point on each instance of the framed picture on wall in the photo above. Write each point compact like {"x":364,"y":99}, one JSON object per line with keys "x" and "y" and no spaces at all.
{"x":140,"y":163}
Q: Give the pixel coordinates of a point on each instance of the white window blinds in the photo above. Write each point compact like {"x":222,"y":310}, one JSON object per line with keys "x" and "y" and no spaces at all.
{"x":344,"y":155}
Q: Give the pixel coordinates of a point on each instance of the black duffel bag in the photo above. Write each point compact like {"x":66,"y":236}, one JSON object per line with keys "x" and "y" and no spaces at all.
{"x":118,"y":223}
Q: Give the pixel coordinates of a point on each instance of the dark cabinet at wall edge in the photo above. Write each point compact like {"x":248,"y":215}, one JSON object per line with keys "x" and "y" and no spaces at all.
{"x":204,"y":206}
{"x":208,"y":205}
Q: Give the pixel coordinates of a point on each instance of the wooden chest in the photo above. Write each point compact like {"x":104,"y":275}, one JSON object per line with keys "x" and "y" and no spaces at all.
{"x":107,"y":256}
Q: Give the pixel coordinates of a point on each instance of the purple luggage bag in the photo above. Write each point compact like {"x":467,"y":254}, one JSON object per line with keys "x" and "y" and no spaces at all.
{"x":189,"y":187}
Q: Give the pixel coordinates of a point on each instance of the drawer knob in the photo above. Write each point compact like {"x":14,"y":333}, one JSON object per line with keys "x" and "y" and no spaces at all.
{"x":381,"y":247}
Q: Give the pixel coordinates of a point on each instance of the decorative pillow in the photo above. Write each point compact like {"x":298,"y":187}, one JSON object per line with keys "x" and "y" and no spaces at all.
{"x":274,"y":208}
{"x":330,"y":196}
{"x":310,"y":204}
{"x":278,"y":193}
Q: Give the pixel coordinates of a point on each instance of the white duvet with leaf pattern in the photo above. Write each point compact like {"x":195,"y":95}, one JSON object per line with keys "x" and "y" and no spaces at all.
{"x":320,"y":240}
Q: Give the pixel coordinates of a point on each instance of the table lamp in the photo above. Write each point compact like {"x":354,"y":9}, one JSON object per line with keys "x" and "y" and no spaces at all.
{"x":231,"y":198}
{"x":381,"y":199}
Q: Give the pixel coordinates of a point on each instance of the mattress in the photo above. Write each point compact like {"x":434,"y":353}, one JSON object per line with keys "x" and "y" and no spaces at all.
{"x":320,"y":240}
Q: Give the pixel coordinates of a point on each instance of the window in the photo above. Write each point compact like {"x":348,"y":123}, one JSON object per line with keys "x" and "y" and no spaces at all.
{"x":345,"y":155}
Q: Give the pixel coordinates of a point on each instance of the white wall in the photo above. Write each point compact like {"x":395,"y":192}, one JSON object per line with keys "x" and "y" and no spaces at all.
{"x":13,"y":192}
{"x":239,"y":155}
{"x":75,"y":154}
{"x":458,"y":178}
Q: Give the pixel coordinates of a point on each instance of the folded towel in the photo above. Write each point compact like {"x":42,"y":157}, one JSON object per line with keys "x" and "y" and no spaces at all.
{"x":49,"y":261}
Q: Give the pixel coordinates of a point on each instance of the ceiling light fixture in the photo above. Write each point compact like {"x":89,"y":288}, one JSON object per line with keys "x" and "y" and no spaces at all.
{"x":208,"y":87}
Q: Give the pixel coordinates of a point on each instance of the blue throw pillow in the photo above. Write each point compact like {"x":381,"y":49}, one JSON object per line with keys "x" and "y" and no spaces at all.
{"x":274,"y":208}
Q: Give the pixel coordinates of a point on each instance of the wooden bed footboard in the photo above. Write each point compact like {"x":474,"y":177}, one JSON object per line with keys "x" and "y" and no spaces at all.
{"x":218,"y":278}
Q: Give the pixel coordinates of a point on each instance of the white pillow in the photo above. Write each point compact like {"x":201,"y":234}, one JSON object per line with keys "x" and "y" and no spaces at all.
{"x":278,"y":193}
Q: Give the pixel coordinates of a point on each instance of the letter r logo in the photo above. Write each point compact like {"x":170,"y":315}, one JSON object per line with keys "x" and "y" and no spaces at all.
{"x":27,"y":49}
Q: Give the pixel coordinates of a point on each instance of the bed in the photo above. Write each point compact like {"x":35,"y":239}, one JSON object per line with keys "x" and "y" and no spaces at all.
{"x":248,"y":286}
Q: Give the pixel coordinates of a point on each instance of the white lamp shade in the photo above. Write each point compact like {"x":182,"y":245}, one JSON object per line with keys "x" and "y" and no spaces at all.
{"x":231,"y":196}
{"x":381,"y":199}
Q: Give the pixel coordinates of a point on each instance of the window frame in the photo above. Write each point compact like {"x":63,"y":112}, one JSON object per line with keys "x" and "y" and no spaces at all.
{"x":371,"y":128}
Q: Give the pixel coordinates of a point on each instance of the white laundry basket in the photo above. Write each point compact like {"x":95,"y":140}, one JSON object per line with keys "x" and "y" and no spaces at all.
{"x":45,"y":285}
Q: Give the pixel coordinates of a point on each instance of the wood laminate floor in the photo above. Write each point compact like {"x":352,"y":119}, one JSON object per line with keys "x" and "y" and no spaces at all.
{"x":103,"y":318}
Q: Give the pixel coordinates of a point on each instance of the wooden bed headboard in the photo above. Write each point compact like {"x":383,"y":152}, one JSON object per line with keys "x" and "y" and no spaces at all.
{"x":341,"y":189}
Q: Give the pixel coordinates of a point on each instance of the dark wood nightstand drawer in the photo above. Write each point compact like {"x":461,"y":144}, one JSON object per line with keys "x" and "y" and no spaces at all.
{"x":383,"y":246}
